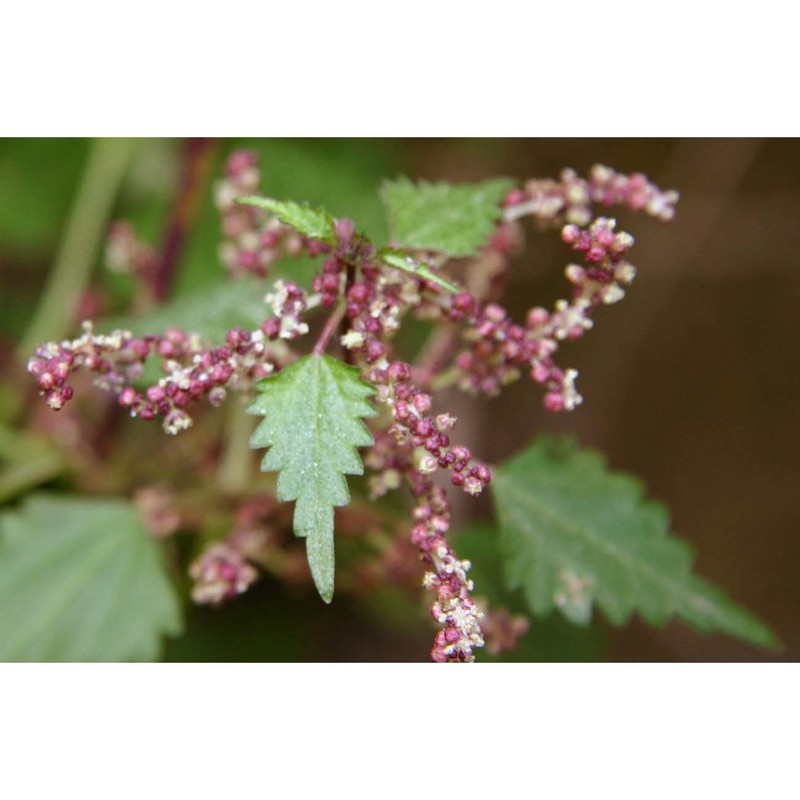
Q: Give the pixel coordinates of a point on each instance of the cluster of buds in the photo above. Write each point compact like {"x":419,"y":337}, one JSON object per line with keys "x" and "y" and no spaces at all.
{"x":500,"y":349}
{"x":288,"y":302}
{"x":220,"y":573}
{"x":453,"y":609}
{"x":389,"y":462}
{"x":191,"y":372}
{"x":351,"y":253}
{"x":570,"y":198}
{"x":415,"y":446}
{"x":415,"y":430}
{"x":254,"y":238}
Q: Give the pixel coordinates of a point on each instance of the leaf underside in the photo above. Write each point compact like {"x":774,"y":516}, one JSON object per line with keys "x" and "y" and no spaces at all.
{"x":575,"y":534}
{"x":453,"y":219}
{"x":81,"y":580}
{"x":312,"y":426}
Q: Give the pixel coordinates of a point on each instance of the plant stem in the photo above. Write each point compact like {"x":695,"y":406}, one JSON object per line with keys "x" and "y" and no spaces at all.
{"x":234,"y":473}
{"x":102,"y":176}
{"x":435,"y":353}
{"x":445,"y":379}
{"x":330,"y":328}
{"x":198,"y":156}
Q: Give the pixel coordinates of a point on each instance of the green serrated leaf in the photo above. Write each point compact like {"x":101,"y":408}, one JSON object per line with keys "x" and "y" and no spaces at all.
{"x":80,"y":580}
{"x":575,"y":534}
{"x":312,"y":427}
{"x":316,"y":223}
{"x":453,"y":219}
{"x":402,"y":261}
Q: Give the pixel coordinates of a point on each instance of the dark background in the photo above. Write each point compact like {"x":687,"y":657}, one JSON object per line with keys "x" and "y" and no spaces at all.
{"x":691,"y":383}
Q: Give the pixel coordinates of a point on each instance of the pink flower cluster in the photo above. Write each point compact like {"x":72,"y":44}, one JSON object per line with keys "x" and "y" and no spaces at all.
{"x":190,"y":371}
{"x":454,"y":609}
{"x":221,"y":573}
{"x":570,"y":198}
{"x":500,"y":349}
{"x":414,"y":428}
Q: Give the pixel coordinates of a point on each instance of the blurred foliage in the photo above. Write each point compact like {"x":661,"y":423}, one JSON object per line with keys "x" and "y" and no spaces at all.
{"x":37,"y":182}
{"x":39,"y":178}
{"x":210,"y":311}
{"x":575,"y":534}
{"x":81,"y":580}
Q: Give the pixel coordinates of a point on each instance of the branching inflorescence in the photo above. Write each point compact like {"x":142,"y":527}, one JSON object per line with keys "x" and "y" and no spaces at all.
{"x":474,"y":345}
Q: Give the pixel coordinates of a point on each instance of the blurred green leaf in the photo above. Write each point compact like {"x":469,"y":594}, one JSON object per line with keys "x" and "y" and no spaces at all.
{"x":575,"y":534}
{"x":456,"y":219}
{"x":26,"y":461}
{"x":210,"y":311}
{"x":80,"y":580}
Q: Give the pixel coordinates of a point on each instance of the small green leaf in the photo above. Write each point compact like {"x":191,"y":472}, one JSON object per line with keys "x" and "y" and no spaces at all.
{"x":80,"y":580}
{"x":312,"y":427}
{"x":575,"y":534}
{"x":316,"y":223}
{"x":402,"y":261}
{"x":447,"y":218}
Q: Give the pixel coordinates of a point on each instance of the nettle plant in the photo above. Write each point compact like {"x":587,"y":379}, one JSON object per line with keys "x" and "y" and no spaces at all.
{"x":572,"y":534}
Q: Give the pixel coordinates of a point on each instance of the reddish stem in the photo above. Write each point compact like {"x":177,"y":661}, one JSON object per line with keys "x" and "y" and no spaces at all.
{"x":327,"y":332}
{"x":197,"y":163}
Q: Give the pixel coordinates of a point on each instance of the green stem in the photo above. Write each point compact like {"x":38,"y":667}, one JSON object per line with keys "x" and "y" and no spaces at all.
{"x":445,"y":379}
{"x":235,"y":468}
{"x":102,"y":176}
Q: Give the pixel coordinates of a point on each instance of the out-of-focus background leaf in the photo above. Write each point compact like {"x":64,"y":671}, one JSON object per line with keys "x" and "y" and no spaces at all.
{"x":81,"y":580}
